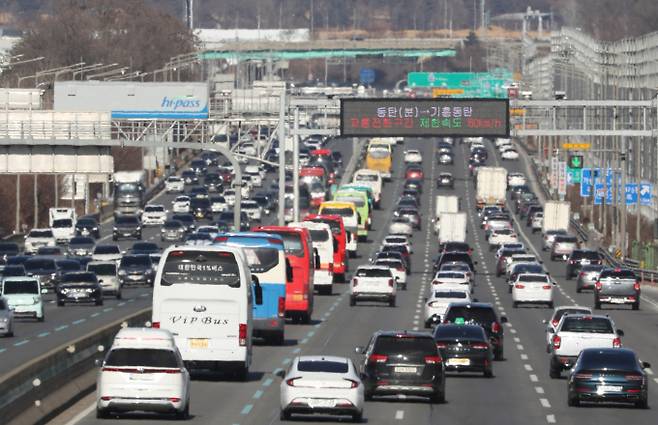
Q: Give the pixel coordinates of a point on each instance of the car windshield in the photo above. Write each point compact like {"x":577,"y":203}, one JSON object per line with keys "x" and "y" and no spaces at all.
{"x":102,"y":269}
{"x":79,"y":278}
{"x":49,"y":250}
{"x":325,"y":366}
{"x":182,"y":199}
{"x":145,"y":246}
{"x":622,"y":360}
{"x":127,"y":220}
{"x":587,"y":324}
{"x":135,"y":260}
{"x":34,"y":264}
{"x":28,"y":286}
{"x":62,"y":223}
{"x":200,"y":268}
{"x":81,"y":241}
{"x":107,"y":249}
{"x":144,"y":357}
{"x":456,"y":332}
{"x":154,"y":208}
{"x":173,"y":225}
{"x":386,"y":273}
{"x":41,"y":233}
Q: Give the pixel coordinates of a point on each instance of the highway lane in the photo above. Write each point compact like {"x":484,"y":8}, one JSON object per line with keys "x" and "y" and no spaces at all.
{"x":64,"y":324}
{"x":338,"y":328}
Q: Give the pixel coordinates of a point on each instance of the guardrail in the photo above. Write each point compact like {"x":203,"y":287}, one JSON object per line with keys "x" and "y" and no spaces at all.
{"x":46,"y":385}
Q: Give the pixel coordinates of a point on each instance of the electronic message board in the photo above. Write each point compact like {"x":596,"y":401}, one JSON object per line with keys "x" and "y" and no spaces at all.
{"x":384,"y":117}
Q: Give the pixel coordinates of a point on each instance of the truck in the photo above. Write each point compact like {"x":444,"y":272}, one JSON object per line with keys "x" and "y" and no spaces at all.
{"x":128,"y":192}
{"x":576,"y":332}
{"x":556,"y":216}
{"x":62,"y":223}
{"x":444,"y":204}
{"x":453,"y":227}
{"x":491,"y":186}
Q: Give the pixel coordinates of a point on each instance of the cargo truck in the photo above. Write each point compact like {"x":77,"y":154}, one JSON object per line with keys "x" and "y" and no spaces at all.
{"x":453,"y":227}
{"x":556,"y":216}
{"x":444,"y":204}
{"x":128,"y":192}
{"x":491,"y":186}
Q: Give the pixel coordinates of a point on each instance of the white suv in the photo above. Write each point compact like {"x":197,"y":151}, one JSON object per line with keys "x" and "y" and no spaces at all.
{"x":38,"y":238}
{"x":154,"y":215}
{"x":373,"y":283}
{"x":534,"y":288}
{"x":174,"y":184}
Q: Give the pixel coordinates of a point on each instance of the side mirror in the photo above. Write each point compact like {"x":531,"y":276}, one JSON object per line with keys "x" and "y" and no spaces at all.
{"x":645,"y":365}
{"x":503,"y":319}
{"x":98,"y":362}
{"x":425,"y":299}
{"x":359,"y":350}
{"x":620,"y":332}
{"x":280,"y":373}
{"x":258,"y":290}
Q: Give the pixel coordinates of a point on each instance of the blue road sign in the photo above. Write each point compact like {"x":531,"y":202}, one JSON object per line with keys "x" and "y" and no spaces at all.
{"x":646,"y":193}
{"x":631,"y":193}
{"x":367,"y":76}
{"x":599,"y":192}
{"x":586,"y":183}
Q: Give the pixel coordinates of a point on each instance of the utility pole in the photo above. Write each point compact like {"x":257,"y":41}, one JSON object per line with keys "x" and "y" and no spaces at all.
{"x":295,"y":166}
{"x":624,"y":212}
{"x":282,"y":159}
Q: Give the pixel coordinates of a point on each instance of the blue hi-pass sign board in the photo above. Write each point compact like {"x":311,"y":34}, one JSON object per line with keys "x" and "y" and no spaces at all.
{"x":586,"y":182}
{"x":646,"y":194}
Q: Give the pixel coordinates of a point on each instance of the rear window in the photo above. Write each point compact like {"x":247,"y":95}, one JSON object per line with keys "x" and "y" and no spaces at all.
{"x":319,"y":235}
{"x":405,"y":346}
{"x":260,"y":260}
{"x":201,"y":268}
{"x":590,"y":255}
{"x":566,"y":239}
{"x":79,"y":278}
{"x":481,"y":315}
{"x":378,"y":153}
{"x":322,"y":366}
{"x":292,"y":243}
{"x":587,"y":324}
{"x":608,"y":359}
{"x":144,"y":357}
{"x":343,"y":212}
{"x":450,"y":275}
{"x":154,"y":208}
{"x":135,"y":260}
{"x":374,"y":273}
{"x":366,"y":178}
{"x":39,"y":264}
{"x":460,"y":332}
{"x":358,"y":202}
{"x":450,"y":294}
{"x":560,"y":313}
{"x":532,"y":278}
{"x":107,"y":249}
{"x":614,"y":274}
{"x":13,"y":271}
{"x":29,"y":286}
{"x":126,"y":220}
{"x":334,"y":225}
{"x":102,"y":269}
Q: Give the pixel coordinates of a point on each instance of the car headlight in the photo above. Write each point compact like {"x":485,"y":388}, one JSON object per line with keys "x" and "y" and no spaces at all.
{"x":115,"y":228}
{"x":138,"y":228}
{"x":36,"y":300}
{"x":122,"y":272}
{"x":63,"y":290}
{"x":89,"y":290}
{"x":4,"y":319}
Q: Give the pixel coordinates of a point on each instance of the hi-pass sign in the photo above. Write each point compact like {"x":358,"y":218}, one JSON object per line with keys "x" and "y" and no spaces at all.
{"x":424,"y":117}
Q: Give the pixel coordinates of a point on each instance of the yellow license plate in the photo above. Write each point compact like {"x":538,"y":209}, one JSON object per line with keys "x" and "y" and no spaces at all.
{"x":459,"y":362}
{"x":298,"y":297}
{"x":198,"y":343}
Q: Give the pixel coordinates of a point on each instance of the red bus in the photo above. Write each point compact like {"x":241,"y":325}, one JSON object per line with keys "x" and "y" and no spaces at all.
{"x":335,"y":222}
{"x":299,"y":252}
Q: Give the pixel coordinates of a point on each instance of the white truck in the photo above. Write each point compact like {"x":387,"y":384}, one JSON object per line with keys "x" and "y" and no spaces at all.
{"x":128,"y":192}
{"x":453,"y":227}
{"x":576,"y":332}
{"x":491,"y":186}
{"x":444,"y":204}
{"x":62,"y":223}
{"x":556,"y":216}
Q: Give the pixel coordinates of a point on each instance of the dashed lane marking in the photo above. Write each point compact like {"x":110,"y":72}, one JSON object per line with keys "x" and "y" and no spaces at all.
{"x":550,"y":419}
{"x":534,"y":378}
{"x":399,"y":415}
{"x":539,"y":390}
{"x":545,"y":403}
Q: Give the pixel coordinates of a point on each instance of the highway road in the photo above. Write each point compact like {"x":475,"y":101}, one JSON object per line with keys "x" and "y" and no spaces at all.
{"x":521,"y":391}
{"x":67,"y":323}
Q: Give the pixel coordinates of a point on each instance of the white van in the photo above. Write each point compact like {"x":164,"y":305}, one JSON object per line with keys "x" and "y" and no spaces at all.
{"x":370,"y":178}
{"x":203,"y":295}
{"x":323,"y":243}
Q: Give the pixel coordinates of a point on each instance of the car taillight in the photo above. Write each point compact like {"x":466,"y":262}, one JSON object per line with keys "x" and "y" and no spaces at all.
{"x":291,"y":382}
{"x":400,"y":268}
{"x":155,"y":325}
{"x":598,"y":285}
{"x":583,"y":376}
{"x":391,"y":282}
{"x":555,"y":323}
{"x":556,"y":341}
{"x":242,"y":334}
{"x":433,"y":359}
{"x":355,"y":282}
{"x":480,"y":346}
{"x":353,"y":383}
{"x":546,"y":287}
{"x":581,"y":274}
{"x":331,"y":267}
{"x":636,"y":286}
{"x":377,"y":358}
{"x":519,"y":286}
{"x":495,"y":327}
{"x":441,"y":345}
{"x":634,"y":377}
{"x":281,"y":307}
{"x":616,"y":343}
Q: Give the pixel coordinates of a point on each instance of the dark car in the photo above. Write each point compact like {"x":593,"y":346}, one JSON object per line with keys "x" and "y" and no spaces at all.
{"x":413,"y":184}
{"x":402,"y":249}
{"x":392,"y":254}
{"x":81,"y":246}
{"x":172,"y":230}
{"x":88,"y":226}
{"x":482,"y":314}
{"x":412,"y":214}
{"x":266,"y":203}
{"x":127,"y":226}
{"x":464,"y":348}
{"x":200,"y":208}
{"x":337,"y":159}
{"x":187,"y":219}
{"x":213,"y":182}
{"x":505,"y":257}
{"x":199,"y":166}
{"x":402,"y":362}
{"x":588,"y":276}
{"x":198,"y":193}
{"x":455,"y":247}
{"x":144,"y":248}
{"x":516,"y":191}
{"x":190,"y":177}
{"x":524,"y":203}
{"x":16,"y":270}
{"x":8,"y":249}
{"x":51,"y":251}
{"x":580,"y":258}
{"x":532,"y":210}
{"x":44,"y":269}
{"x":412,"y":193}
{"x":445,"y":180}
{"x":77,"y":287}
{"x":227,"y":217}
{"x":454,"y":257}
{"x":136,"y":269}
{"x":608,"y":375}
{"x":17,"y":260}
{"x":408,"y":202}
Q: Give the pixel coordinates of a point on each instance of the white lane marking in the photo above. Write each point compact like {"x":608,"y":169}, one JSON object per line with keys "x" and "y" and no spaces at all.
{"x":545,"y":403}
{"x":84,"y":413}
{"x":648,"y":371}
{"x":524,"y":357}
{"x":550,"y":419}
{"x":517,"y":339}
{"x":655,"y":380}
{"x":513,"y":330}
{"x":534,"y":378}
{"x":539,"y":390}
{"x":399,"y":415}
{"x":527,"y":367}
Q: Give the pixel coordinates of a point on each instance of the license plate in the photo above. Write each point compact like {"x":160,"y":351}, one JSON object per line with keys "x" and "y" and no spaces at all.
{"x":321,"y":403}
{"x":141,"y":377}
{"x":617,"y":300}
{"x":404,"y":369}
{"x":608,"y":388}
{"x":584,"y":262}
{"x":198,"y":343}
{"x":298,"y":297}
{"x":459,"y":362}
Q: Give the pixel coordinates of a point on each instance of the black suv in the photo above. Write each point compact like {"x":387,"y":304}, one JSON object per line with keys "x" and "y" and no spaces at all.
{"x":454,"y":257}
{"x":482,"y":314}
{"x":127,"y":226}
{"x":402,"y":362}
{"x":579,"y":258}
{"x":87,"y":226}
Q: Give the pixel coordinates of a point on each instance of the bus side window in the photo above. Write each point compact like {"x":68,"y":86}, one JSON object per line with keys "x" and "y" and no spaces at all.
{"x":335,"y":245}
{"x":289,"y":271}
{"x":316,"y":257}
{"x":258,"y":290}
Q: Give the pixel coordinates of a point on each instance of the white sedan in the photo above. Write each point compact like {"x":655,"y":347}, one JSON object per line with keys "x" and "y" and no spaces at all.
{"x":181,"y":204}
{"x":551,"y":324}
{"x":154,"y":215}
{"x":516,"y":179}
{"x":452,"y":280}
{"x":398,"y":240}
{"x":502,"y":236}
{"x":401,"y":225}
{"x":327,"y":385}
{"x":532,"y":288}
{"x":413,"y":156}
{"x":437,"y":304}
{"x":509,"y":153}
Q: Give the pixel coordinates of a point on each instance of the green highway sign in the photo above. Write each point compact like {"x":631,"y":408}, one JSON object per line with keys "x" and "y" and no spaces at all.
{"x":575,"y":161}
{"x":574,"y":175}
{"x":463,"y":84}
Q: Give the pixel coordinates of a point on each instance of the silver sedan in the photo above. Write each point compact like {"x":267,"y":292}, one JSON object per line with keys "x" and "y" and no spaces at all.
{"x":6,"y":319}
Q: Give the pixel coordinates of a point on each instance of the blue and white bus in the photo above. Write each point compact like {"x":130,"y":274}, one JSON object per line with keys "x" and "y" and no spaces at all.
{"x":266,"y":259}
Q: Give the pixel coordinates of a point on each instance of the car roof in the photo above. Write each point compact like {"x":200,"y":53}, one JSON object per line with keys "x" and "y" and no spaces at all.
{"x":144,"y":338}
{"x":19,"y":278}
{"x":323,"y":358}
{"x":404,"y":333}
{"x":372,"y":267}
{"x":569,"y":307}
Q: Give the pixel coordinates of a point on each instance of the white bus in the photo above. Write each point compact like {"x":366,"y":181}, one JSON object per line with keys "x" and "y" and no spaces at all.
{"x":203,"y":295}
